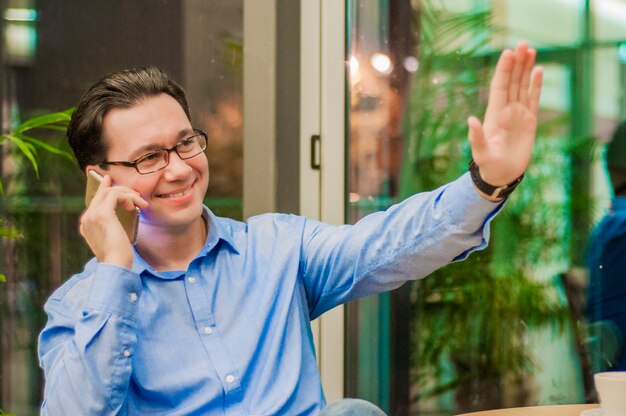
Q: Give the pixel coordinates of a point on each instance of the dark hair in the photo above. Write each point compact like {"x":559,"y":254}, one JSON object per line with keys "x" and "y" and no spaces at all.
{"x":119,"y":90}
{"x":615,"y":156}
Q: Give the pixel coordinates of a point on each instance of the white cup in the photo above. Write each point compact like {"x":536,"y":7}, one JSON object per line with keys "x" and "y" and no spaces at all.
{"x":611,"y":388}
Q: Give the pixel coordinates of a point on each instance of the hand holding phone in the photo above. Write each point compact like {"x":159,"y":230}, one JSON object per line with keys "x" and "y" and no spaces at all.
{"x":128,"y":219}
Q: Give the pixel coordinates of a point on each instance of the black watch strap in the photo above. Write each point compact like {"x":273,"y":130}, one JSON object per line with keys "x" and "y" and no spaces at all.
{"x":492,"y":191}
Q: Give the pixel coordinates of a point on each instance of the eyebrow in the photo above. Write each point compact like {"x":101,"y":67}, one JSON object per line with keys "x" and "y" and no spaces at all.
{"x":142,"y":151}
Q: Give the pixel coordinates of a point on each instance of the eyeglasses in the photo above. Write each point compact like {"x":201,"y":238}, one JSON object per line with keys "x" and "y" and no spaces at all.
{"x":159,"y":159}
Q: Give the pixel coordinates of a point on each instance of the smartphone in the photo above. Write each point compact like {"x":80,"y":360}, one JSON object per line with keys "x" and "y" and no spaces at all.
{"x":128,"y":219}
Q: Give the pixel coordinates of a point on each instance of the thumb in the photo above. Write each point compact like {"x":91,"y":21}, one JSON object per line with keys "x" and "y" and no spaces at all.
{"x":475,"y":135}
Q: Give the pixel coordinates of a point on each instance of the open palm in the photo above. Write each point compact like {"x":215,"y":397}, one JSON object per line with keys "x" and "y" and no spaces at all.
{"x":502,"y":145}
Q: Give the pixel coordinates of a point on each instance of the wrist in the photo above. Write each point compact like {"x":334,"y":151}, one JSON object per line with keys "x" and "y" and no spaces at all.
{"x":118,"y":259}
{"x":488,"y":191}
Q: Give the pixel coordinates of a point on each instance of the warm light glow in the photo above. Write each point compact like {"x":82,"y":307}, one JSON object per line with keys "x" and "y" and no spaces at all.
{"x":354,"y":197}
{"x":411,"y":64}
{"x":355,"y":73}
{"x":20,"y":15}
{"x":21,"y":40}
{"x":354,"y":66}
{"x":381,"y":63}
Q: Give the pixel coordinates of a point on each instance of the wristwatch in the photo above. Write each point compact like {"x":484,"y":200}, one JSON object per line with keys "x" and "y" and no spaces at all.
{"x":492,"y":191}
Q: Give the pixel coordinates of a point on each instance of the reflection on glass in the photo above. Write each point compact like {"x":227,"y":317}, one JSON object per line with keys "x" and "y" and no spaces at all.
{"x":506,"y":327}
{"x":606,"y":259}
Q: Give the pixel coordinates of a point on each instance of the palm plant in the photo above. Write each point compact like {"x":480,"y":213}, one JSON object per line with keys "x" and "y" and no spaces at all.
{"x":26,"y":145}
{"x":472,"y":318}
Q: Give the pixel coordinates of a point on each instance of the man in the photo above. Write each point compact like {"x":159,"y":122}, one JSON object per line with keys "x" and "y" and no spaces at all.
{"x":606,"y":260}
{"x":206,"y":315}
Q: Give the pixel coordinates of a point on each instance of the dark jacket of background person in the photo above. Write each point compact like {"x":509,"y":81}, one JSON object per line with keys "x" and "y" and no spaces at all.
{"x":606,"y":259}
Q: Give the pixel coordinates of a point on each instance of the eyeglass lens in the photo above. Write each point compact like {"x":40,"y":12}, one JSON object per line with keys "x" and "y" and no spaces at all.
{"x":186,"y":149}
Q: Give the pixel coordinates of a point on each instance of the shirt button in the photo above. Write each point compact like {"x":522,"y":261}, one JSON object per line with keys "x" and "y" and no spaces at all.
{"x":133,"y":297}
{"x":127,"y":353}
{"x":191,"y":279}
{"x":230,"y":378}
{"x":208,"y":330}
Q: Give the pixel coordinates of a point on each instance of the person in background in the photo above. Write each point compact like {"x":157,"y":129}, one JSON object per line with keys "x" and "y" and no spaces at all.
{"x":606,"y":262}
{"x":206,"y":315}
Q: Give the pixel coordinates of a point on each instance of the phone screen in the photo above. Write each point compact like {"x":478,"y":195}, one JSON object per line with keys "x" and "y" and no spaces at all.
{"x":128,"y":219}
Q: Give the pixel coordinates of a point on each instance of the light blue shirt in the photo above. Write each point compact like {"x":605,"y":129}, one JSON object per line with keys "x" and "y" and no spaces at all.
{"x":231,"y":334}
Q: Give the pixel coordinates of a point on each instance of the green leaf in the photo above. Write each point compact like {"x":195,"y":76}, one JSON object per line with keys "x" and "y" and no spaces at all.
{"x":62,"y":129}
{"x":45,"y":146}
{"x":51,"y":120}
{"x":3,"y":279}
{"x":8,"y":231}
{"x":27,"y":149}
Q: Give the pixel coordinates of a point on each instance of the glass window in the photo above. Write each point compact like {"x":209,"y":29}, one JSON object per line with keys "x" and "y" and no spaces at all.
{"x":535,"y":20}
{"x":510,"y":326}
{"x":608,"y":18}
{"x":52,"y":52}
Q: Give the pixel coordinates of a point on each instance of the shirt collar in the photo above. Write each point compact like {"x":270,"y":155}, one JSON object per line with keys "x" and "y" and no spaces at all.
{"x":218,"y":229}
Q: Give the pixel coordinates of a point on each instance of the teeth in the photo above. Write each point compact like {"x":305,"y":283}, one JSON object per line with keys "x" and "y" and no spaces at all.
{"x":179,"y":194}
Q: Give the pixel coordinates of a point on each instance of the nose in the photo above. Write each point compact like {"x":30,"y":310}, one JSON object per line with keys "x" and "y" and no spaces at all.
{"x":177,"y":168}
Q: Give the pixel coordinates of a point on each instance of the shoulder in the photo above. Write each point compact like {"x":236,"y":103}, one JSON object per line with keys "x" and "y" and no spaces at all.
{"x":228,"y":227}
{"x":275,"y":221}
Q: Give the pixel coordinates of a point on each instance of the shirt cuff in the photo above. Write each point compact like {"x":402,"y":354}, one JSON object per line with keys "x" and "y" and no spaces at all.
{"x":115,"y":290}
{"x":475,"y":211}
{"x":468,"y":204}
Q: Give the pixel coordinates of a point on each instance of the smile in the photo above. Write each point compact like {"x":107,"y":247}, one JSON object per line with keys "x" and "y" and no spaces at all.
{"x":177,"y":194}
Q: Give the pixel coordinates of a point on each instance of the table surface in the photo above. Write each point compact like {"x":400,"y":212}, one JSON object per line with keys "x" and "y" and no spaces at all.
{"x":561,"y":410}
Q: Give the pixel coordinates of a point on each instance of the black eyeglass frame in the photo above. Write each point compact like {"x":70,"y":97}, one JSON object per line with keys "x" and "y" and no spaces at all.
{"x":133,"y":163}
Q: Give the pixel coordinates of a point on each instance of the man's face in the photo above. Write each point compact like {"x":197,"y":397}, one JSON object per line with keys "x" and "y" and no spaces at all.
{"x":175,"y":193}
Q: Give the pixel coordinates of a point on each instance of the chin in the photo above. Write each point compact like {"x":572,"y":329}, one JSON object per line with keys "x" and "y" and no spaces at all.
{"x":167,"y":218}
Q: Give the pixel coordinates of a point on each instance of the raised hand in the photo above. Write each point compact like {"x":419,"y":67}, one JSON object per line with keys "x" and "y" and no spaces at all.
{"x":502,"y":145}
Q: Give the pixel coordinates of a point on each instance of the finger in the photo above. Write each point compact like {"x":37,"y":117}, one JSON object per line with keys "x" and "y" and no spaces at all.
{"x":475,"y":135}
{"x":525,"y":83}
{"x":134,"y":201}
{"x":127,"y":199}
{"x":139,"y":202}
{"x":119,"y":194}
{"x":106,"y":182}
{"x":517,"y":71}
{"x":534,"y":93}
{"x":499,"y":88}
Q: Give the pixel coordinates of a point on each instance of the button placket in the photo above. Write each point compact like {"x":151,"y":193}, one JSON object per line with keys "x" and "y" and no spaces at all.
{"x":207,"y":329}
